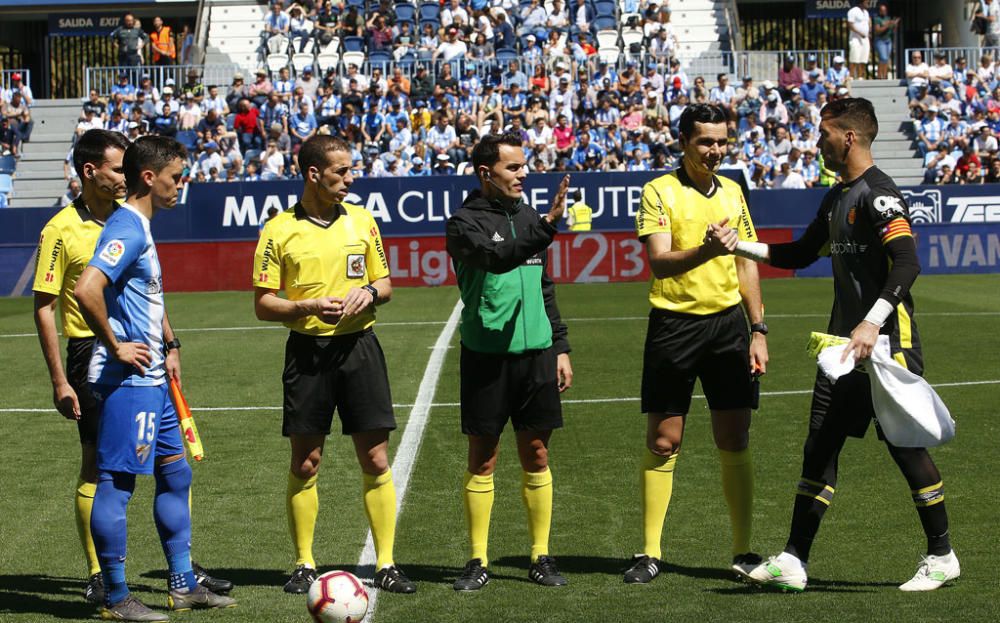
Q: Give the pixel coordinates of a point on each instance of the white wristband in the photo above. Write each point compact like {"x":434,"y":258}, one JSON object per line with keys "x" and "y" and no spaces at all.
{"x":879,"y":312}
{"x":756,"y":251}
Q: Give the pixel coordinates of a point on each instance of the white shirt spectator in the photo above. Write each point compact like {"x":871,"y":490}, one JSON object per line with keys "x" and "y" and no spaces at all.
{"x":441,"y":139}
{"x":792,"y":180}
{"x":448,"y":15}
{"x":218,"y":104}
{"x":540,"y":137}
{"x":859,"y":19}
{"x":985,"y":143}
{"x":994,"y":10}
{"x":722,"y":96}
{"x":450,"y":50}
{"x":941,"y":72}
{"x":273,"y":164}
{"x":916,"y":75}
{"x":208,"y":161}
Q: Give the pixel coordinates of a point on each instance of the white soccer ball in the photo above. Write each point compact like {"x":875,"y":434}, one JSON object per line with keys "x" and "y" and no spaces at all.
{"x":337,"y":597}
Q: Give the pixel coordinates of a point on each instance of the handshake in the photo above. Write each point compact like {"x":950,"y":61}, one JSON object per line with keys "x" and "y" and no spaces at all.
{"x":720,"y":238}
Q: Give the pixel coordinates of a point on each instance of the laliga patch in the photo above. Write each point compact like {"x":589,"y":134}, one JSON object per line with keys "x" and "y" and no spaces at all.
{"x":355,"y":265}
{"x":112,"y":252}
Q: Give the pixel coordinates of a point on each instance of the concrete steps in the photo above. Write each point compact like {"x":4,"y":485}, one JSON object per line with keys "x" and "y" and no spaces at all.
{"x":39,"y":181}
{"x":894,"y":150}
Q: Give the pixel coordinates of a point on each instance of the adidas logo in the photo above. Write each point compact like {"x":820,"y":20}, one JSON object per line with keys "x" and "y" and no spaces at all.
{"x":497,"y":237}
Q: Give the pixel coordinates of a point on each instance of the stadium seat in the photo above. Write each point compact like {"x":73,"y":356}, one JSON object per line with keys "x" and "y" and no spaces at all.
{"x":435,"y":24}
{"x":631,"y":36}
{"x":230,"y":121}
{"x":430,"y":11}
{"x":300,"y":47}
{"x":604,"y":8}
{"x":332,"y":47}
{"x":301,"y":60}
{"x":6,"y":183}
{"x":188,"y":138}
{"x":379,"y":59}
{"x":607,"y":38}
{"x":604,"y":23}
{"x":506,"y":55}
{"x":358,"y":4}
{"x":609,"y":54}
{"x":326,"y":60}
{"x":353,"y":58}
{"x":252,"y":155}
{"x":406,"y":12}
{"x":276,"y":62}
{"x":406,"y":61}
{"x":278,"y":44}
{"x":353,"y":44}
{"x":8,"y":164}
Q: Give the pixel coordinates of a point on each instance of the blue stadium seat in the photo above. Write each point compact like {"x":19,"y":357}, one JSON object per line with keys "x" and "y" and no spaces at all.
{"x":435,"y":23}
{"x":353,"y":44}
{"x":505,"y":55}
{"x":189,"y":139}
{"x":406,"y":12}
{"x":605,"y":8}
{"x":359,"y":4}
{"x":8,"y":164}
{"x":6,"y":183}
{"x":230,"y":121}
{"x":407,"y":60}
{"x":604,"y":22}
{"x":430,"y":11}
{"x":380,"y":59}
{"x":252,"y":155}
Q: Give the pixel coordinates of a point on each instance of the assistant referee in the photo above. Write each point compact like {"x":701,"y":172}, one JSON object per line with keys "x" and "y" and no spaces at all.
{"x":697,"y":329}
{"x":329,"y":257}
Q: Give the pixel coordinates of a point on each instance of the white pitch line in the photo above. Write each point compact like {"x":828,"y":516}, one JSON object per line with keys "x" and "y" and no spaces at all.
{"x":409,"y":445}
{"x":418,"y":323}
{"x":577,"y":401}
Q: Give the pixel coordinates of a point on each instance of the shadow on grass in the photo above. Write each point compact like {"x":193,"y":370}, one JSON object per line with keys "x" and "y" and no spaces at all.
{"x":59,"y":597}
{"x":815,"y":586}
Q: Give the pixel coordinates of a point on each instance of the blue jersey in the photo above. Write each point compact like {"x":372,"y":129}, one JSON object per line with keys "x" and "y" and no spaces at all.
{"x":125,"y":253}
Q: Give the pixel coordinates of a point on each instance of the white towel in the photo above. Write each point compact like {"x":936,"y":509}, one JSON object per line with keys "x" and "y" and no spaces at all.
{"x":909,"y":411}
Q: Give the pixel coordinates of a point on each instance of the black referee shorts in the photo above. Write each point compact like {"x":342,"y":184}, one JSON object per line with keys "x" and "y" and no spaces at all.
{"x":523,"y":388}
{"x":683,"y":347}
{"x":345,"y":373}
{"x":78,"y":351}
{"x":846,"y":406}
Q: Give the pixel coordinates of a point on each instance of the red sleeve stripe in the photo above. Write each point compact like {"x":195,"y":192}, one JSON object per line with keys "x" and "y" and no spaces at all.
{"x":897,"y":228}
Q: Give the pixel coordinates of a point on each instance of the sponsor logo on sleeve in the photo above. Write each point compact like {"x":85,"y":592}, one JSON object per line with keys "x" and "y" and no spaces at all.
{"x":112,"y":252}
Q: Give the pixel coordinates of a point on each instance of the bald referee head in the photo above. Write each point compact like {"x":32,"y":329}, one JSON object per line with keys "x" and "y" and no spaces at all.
{"x":846,"y":132}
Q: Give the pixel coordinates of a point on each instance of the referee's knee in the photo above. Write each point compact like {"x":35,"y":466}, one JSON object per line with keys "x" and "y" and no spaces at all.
{"x":661,"y":446}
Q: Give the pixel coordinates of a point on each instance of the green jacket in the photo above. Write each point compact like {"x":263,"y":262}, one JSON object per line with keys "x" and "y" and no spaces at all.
{"x":500,"y":258}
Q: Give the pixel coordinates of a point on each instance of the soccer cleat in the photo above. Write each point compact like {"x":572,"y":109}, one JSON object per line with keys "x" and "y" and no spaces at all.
{"x":543,"y":571}
{"x":643,"y":569}
{"x":131,"y":609}
{"x":301,"y":579}
{"x":393,"y":580}
{"x":199,"y":598}
{"x":94,"y":593}
{"x":743,"y":564}
{"x":781,"y":573}
{"x":474,"y":576}
{"x":933,"y":572}
{"x":216,"y":585}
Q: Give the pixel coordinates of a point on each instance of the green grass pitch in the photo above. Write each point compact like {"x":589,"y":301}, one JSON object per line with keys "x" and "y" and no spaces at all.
{"x":871,"y":540}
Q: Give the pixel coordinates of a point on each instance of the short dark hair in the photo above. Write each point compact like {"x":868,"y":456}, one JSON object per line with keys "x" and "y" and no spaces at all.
{"x":853,"y":113}
{"x":487,"y":150}
{"x":316,"y":151}
{"x":700,"y":113}
{"x":92,"y":146}
{"x":149,"y":153}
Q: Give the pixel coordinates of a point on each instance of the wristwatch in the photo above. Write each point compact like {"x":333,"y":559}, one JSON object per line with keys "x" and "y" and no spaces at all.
{"x":172,"y":344}
{"x":759,"y":327}
{"x":370,"y":289}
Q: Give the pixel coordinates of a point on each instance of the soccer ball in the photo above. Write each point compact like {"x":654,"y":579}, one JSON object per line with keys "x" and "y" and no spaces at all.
{"x":337,"y":597}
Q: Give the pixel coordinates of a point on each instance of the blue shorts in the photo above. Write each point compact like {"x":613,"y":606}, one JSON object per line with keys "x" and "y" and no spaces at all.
{"x":137,"y":424}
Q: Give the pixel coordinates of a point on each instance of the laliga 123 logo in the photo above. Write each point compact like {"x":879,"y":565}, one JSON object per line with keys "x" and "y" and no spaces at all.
{"x":112,"y":252}
{"x":925,"y":205}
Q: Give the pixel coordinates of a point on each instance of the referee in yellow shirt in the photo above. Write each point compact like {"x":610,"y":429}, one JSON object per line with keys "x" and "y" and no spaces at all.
{"x":64,"y":250}
{"x":697,"y":329}
{"x":329,"y":258}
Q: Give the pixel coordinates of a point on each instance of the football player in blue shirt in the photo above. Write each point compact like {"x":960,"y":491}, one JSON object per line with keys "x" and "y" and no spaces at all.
{"x":121,"y":297}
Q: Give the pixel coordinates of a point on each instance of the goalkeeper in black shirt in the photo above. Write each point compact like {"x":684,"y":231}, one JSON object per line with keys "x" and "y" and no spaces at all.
{"x":863,"y":224}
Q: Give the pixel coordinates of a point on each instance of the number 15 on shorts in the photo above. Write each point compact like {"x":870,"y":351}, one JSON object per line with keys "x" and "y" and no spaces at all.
{"x":145,"y":434}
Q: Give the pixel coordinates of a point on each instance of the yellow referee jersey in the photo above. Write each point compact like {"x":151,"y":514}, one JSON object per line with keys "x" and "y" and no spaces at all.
{"x":672,"y":204}
{"x":309,"y":261}
{"x":64,"y":250}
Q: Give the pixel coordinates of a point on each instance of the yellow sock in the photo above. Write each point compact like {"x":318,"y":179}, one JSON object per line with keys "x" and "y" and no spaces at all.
{"x":380,"y":506}
{"x":302,"y":502}
{"x":657,"y":486}
{"x":536,"y":491}
{"x":737,"y":487}
{"x":84,"y":504}
{"x":477,"y":491}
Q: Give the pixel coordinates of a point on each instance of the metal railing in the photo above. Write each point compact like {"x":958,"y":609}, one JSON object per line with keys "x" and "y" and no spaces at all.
{"x":733,"y":25}
{"x":5,"y":77}
{"x":102,"y":79}
{"x":970,"y":54}
{"x":765,"y":65}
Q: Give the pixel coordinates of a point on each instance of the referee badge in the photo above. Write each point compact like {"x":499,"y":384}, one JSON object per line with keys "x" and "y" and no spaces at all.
{"x":355,"y":265}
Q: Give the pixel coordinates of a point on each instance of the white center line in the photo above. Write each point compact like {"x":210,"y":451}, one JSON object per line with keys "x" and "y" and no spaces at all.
{"x":409,"y":445}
